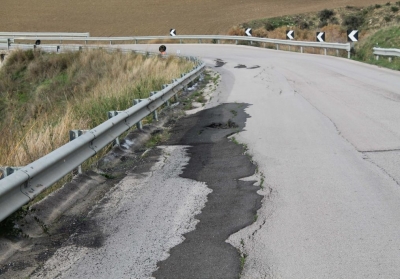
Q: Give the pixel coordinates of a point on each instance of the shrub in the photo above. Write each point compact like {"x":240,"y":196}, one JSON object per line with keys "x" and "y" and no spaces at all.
{"x":377,"y":6}
{"x":325,"y":14}
{"x":394,"y":9}
{"x":269,"y":26}
{"x":322,"y":24}
{"x":388,"y":4}
{"x":353,"y":21}
{"x":387,"y":18}
{"x":334,"y":20}
{"x":304,"y":25}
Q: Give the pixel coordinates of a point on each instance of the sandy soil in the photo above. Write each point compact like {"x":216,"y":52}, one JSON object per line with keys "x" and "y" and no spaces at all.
{"x":150,"y":17}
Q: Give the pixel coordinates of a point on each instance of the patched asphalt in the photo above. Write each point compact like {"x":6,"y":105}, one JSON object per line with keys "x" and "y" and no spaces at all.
{"x":232,"y":205}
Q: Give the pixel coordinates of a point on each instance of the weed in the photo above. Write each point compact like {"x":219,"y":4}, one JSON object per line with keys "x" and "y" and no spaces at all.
{"x":255,"y":218}
{"x":234,"y":140}
{"x":394,"y":9}
{"x":242,"y":261}
{"x":234,"y":112}
{"x":108,"y":176}
{"x":157,"y":138}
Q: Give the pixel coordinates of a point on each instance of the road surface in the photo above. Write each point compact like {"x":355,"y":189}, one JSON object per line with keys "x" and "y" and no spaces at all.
{"x":325,"y":134}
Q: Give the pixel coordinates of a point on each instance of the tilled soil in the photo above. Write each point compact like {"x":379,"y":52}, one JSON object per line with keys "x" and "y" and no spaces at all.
{"x":150,"y":17}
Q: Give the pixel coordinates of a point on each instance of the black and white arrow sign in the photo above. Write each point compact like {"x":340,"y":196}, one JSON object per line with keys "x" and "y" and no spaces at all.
{"x":352,"y":35}
{"x":248,"y":32}
{"x":172,"y":32}
{"x":320,"y":36}
{"x":289,"y":34}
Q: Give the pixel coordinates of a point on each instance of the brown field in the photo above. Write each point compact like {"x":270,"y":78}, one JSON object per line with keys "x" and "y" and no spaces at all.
{"x":150,"y":17}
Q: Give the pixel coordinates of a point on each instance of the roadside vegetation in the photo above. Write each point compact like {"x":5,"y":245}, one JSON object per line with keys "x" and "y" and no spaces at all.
{"x":378,"y":26}
{"x":43,"y":96}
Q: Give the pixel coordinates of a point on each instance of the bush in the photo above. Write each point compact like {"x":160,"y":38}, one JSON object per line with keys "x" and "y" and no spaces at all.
{"x":377,"y":6}
{"x":394,"y":9}
{"x":388,"y":4}
{"x":304,"y":25}
{"x":387,"y":18}
{"x":325,"y":14}
{"x":353,"y":21}
{"x":322,"y":24}
{"x":269,"y":26}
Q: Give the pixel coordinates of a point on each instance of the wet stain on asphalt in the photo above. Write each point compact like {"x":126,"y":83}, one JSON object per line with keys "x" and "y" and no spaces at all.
{"x":231,"y":206}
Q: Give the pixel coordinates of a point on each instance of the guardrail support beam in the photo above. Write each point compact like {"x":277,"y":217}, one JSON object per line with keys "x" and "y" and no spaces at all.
{"x":390,"y":59}
{"x":155,"y":114}
{"x":139,"y":125}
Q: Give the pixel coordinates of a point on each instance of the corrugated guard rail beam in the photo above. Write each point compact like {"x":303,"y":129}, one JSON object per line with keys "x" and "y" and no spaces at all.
{"x":26,"y":183}
{"x":325,"y":45}
{"x":390,"y":52}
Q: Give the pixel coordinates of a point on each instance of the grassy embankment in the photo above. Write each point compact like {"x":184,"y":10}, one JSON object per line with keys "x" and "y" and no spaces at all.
{"x":379,"y":25}
{"x":43,"y":96}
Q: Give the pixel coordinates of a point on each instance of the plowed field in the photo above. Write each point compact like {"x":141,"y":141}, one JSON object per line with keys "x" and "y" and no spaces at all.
{"x":150,"y":17}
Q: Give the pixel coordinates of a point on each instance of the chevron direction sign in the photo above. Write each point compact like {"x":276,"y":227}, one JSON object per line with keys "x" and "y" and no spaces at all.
{"x":352,"y":35}
{"x":320,"y":37}
{"x":248,"y":32}
{"x":172,"y":32}
{"x":289,"y":34}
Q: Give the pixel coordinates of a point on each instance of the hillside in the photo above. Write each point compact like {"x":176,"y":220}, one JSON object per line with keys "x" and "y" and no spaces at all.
{"x":45,"y":95}
{"x":151,"y":17}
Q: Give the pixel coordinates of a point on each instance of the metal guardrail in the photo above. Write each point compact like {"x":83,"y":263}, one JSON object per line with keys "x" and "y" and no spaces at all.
{"x":199,"y":38}
{"x":42,"y":34}
{"x":391,"y":52}
{"x":26,"y":183}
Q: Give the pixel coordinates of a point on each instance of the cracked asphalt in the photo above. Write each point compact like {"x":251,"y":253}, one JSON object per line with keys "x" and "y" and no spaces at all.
{"x":325,"y":133}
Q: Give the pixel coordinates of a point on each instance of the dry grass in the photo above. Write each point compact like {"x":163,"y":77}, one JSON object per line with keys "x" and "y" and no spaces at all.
{"x":46,"y":95}
{"x":151,"y":17}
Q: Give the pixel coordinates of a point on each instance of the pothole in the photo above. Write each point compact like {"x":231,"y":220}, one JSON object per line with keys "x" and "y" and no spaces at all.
{"x":228,"y":125}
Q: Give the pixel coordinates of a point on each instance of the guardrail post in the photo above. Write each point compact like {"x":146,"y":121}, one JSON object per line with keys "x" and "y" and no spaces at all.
{"x":390,"y":59}
{"x":73,"y":134}
{"x":236,"y":41}
{"x":7,"y":171}
{"x":111,"y":114}
{"x":85,"y":42}
{"x":155,"y":114}
{"x":58,"y":48}
{"x":8,"y":44}
{"x":277,"y":47}
{"x":180,"y":41}
{"x":301,"y":49}
{"x":139,"y":125}
{"x":289,"y":47}
{"x":348,"y":54}
{"x":218,"y":41}
{"x":337,"y":52}
{"x":325,"y":51}
{"x":165,"y":86}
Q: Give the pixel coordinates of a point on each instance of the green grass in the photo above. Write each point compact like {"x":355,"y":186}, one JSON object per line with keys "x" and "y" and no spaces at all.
{"x":385,"y":38}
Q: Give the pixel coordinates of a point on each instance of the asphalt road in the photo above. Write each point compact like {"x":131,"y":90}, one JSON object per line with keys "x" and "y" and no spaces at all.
{"x":325,"y":133}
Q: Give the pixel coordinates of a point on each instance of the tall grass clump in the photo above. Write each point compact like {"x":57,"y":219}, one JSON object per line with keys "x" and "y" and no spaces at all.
{"x":43,"y":96}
